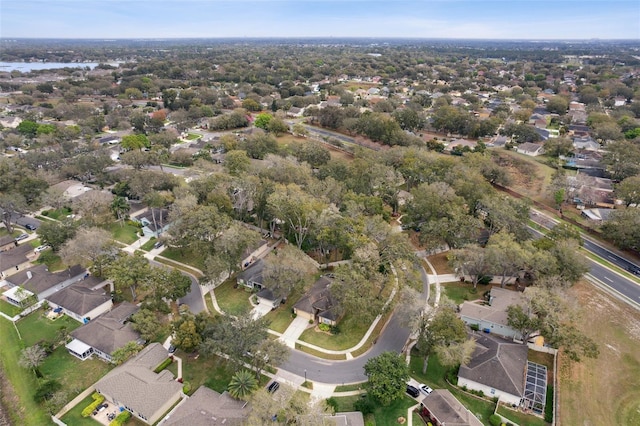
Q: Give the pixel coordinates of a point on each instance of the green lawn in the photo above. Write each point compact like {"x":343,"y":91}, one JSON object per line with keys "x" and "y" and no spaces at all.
{"x":458,"y":292}
{"x":383,"y":416}
{"x":9,"y":309}
{"x":27,"y":412}
{"x":73,"y":374}
{"x":57,"y":214}
{"x":323,"y":355}
{"x":417,"y":420}
{"x":348,"y":388}
{"x":149,"y":244}
{"x":345,"y":403}
{"x":521,"y":418}
{"x":193,"y":136}
{"x":52,"y":260}
{"x":74,"y":416}
{"x":282,"y":317}
{"x":184,"y":256}
{"x":351,"y":332}
{"x":126,"y":234}
{"x":35,"y":327}
{"x":232,"y":300}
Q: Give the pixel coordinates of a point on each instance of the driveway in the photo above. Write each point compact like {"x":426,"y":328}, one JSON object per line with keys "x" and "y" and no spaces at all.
{"x":293,"y":332}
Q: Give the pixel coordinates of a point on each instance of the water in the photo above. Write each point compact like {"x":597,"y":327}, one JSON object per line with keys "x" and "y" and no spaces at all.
{"x":36,"y":66}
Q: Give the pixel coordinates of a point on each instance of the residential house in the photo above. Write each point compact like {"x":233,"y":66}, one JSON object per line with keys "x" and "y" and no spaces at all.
{"x":544,"y":133}
{"x":460,"y":144}
{"x":252,"y":276}
{"x":295,"y":112}
{"x":317,"y":304}
{"x":597,"y":215}
{"x":105,"y":334}
{"x":135,"y":387}
{"x":16,"y":259}
{"x":154,"y":221}
{"x":8,"y":242}
{"x":491,"y":317}
{"x":42,"y":283}
{"x":207,"y":407}
{"x":269,"y":298}
{"x":579,"y":130}
{"x":83,"y":300}
{"x":497,"y":368}
{"x":585,"y":143}
{"x":498,"y":141}
{"x":532,"y":149}
{"x":443,"y":409}
{"x":109,"y":140}
{"x":352,"y":418}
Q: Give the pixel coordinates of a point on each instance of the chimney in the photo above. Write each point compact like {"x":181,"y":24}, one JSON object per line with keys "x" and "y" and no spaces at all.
{"x":29,"y":275}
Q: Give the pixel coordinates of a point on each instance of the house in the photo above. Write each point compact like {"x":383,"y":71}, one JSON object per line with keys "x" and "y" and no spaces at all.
{"x":498,"y":141}
{"x":208,"y":407}
{"x":252,"y":276}
{"x":135,"y":387}
{"x":461,"y":144}
{"x":17,"y":259}
{"x":492,"y":317}
{"x":154,"y":221}
{"x":83,"y":300}
{"x":532,"y":149}
{"x":269,"y":298}
{"x":105,"y":334}
{"x":597,"y":215}
{"x":585,"y":143}
{"x":497,"y":368}
{"x":7,"y":243}
{"x":352,"y":418}
{"x":42,"y":283}
{"x":544,"y":133}
{"x":109,"y":140}
{"x":442,"y":408}
{"x":295,"y":112}
{"x":252,"y":254}
{"x":317,"y":304}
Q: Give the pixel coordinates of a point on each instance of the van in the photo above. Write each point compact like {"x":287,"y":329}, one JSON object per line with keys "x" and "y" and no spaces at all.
{"x":413,"y":391}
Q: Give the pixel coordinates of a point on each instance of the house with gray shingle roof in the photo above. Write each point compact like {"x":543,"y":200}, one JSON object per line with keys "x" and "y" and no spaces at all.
{"x":492,"y":316}
{"x":105,"y":334}
{"x":207,"y":407}
{"x":317,"y":304}
{"x":497,"y":368}
{"x":135,"y":387}
{"x":442,"y":408}
{"x":42,"y":283}
{"x":83,"y":300}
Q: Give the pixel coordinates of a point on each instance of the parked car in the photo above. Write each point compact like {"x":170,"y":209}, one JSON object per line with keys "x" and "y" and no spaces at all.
{"x":413,"y":391}
{"x":172,"y":349}
{"x":41,"y":248}
{"x":273,"y":387}
{"x":22,"y":237}
{"x":158,"y":244}
{"x":31,"y":227}
{"x":425,"y":389}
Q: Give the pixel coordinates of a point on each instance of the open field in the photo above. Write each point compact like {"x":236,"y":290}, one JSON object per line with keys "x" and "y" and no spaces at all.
{"x":605,"y":390}
{"x":529,"y":176}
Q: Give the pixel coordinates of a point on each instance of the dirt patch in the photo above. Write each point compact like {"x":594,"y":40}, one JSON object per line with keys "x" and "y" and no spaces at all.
{"x":441,"y":263}
{"x":8,"y":399}
{"x":605,"y":390}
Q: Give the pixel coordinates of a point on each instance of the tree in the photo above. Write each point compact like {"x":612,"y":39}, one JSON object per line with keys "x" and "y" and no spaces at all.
{"x":269,"y":352}
{"x":296,"y":209}
{"x":32,"y":357}
{"x":388,"y":374}
{"x":456,"y":354}
{"x":558,"y":105}
{"x":120,"y":207}
{"x":56,"y":234}
{"x":242,"y":385}
{"x":186,"y":335}
{"x":128,"y":271}
{"x":165,"y":284}
{"x":258,"y":146}
{"x":236,"y":162}
{"x":522,"y":321}
{"x":286,"y":270}
{"x":505,"y":256}
{"x":229,"y":249}
{"x":122,"y":354}
{"x":146,"y":322}
{"x":221,"y":336}
{"x":91,"y":248}
{"x":623,"y":228}
{"x":622,"y":159}
{"x":300,"y":130}
{"x":439,"y":332}
{"x":472,"y":261}
{"x":12,"y":206}
{"x":28,"y":128}
{"x":629,"y":190}
{"x":262,"y":120}
{"x":195,"y":226}
{"x":277,"y":126}
{"x":556,"y":147}
{"x":288,"y":407}
{"x":133,"y":142}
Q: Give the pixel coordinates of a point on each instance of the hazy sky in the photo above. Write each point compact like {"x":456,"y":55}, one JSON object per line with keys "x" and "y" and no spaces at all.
{"x":505,"y":19}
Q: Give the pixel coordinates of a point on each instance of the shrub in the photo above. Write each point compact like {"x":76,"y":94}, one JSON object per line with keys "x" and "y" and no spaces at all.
{"x":46,"y":390}
{"x":164,"y":365}
{"x":97,"y":400}
{"x":45,"y":213}
{"x":331,"y":402}
{"x":495,"y":420}
{"x":121,"y":419}
{"x":474,"y":327}
{"x":324,"y":327}
{"x":548,"y":408}
{"x":365,"y":405}
{"x":186,"y":387}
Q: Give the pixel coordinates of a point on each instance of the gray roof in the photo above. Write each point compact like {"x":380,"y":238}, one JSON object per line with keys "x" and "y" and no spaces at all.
{"x":109,"y":331}
{"x":253,"y":273}
{"x":207,"y":407}
{"x":318,"y":299}
{"x":16,"y":256}
{"x":448,"y":410}
{"x":41,"y":279}
{"x":80,"y":298}
{"x":7,"y":239}
{"x":497,"y":363}
{"x":135,"y":385}
{"x":495,"y":312}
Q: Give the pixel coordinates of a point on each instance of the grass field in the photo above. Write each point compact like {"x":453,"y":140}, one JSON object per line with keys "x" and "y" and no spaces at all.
{"x":9,"y":309}
{"x":36,"y":327}
{"x":459,"y":292}
{"x":605,"y":390}
{"x":124,"y":233}
{"x":232,"y":300}
{"x":351,"y":332}
{"x":57,"y":214}
{"x":529,"y":176}
{"x":282,"y":316}
{"x":149,"y":244}
{"x":324,"y":355}
{"x":184,"y":256}
{"x":52,"y":260}
{"x":193,"y":136}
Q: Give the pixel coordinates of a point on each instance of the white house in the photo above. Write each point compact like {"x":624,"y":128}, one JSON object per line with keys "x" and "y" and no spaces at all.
{"x":492,"y":317}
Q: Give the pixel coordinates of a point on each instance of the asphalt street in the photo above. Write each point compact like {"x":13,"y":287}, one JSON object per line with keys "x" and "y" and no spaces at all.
{"x":193,"y":299}
{"x":622,"y":285}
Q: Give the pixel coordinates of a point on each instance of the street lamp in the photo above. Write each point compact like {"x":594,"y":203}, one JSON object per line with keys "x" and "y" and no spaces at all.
{"x":305,"y":375}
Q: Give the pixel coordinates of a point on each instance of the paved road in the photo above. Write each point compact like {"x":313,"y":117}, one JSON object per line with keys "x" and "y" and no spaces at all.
{"x":193,"y":299}
{"x":326,"y":371}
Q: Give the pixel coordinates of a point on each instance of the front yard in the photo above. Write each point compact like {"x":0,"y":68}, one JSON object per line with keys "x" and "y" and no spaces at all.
{"x":126,"y":233}
{"x":459,"y":292}
{"x":281,"y":317}
{"x":232,"y":300}
{"x":351,"y":332}
{"x":184,"y":256}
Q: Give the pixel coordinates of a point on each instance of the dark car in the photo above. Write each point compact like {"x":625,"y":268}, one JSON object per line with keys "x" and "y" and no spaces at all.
{"x":413,"y":391}
{"x":273,"y":387}
{"x":31,"y":227}
{"x":634,"y":270}
{"x":158,"y":245}
{"x":172,"y":349}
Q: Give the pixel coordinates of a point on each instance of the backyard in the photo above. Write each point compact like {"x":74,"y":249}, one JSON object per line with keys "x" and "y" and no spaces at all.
{"x":74,"y":375}
{"x":35,"y":327}
{"x":458,"y":292}
{"x":9,"y":309}
{"x":74,"y":416}
{"x":382,"y":415}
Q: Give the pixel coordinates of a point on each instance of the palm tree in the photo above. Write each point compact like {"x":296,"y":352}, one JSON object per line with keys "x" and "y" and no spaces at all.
{"x":242,"y":384}
{"x":120,"y":207}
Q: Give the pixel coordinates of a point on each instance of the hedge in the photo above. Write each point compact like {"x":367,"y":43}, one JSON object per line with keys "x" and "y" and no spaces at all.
{"x":97,"y":400}
{"x":121,"y":419}
{"x":548,"y":408}
{"x":164,"y":365}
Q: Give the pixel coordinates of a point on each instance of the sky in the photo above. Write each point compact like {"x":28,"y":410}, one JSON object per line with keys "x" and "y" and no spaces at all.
{"x":465,"y":19}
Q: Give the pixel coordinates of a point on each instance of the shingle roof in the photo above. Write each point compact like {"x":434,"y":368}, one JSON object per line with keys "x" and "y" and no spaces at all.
{"x":79,"y":298}
{"x":16,"y":256}
{"x":135,"y":385}
{"x":448,"y":410}
{"x":497,"y":363}
{"x":496,"y":312}
{"x":41,"y":279}
{"x":109,"y":332}
{"x":253,"y":273}
{"x":207,"y":407}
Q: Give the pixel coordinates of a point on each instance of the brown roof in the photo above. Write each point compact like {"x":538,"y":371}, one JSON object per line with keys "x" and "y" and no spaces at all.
{"x":318,"y":299}
{"x":16,"y":256}
{"x":207,"y":407}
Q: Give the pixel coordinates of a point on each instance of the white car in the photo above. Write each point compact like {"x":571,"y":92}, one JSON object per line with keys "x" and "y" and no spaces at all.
{"x":425,"y":389}
{"x":41,"y":248}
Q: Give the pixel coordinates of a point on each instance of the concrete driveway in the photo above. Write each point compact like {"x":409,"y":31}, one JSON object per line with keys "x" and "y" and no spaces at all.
{"x":293,"y":332}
